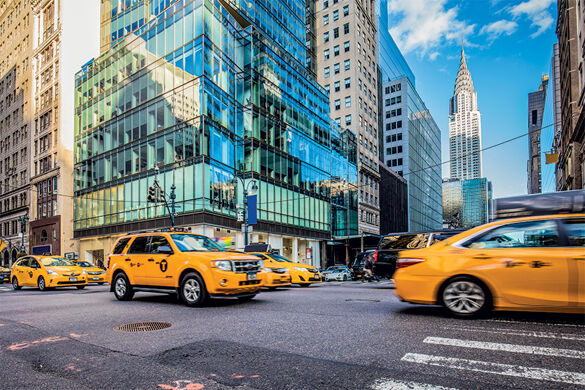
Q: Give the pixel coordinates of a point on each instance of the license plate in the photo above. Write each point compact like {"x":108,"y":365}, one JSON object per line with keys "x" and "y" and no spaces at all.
{"x":73,"y":279}
{"x":95,"y":278}
{"x":252,"y":276}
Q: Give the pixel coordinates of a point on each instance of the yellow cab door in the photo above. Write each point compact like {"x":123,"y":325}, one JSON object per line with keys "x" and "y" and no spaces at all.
{"x":21,"y":270}
{"x":161,"y":262}
{"x":136,"y":259}
{"x":34,"y":272}
{"x":574,"y":229}
{"x":524,"y":262}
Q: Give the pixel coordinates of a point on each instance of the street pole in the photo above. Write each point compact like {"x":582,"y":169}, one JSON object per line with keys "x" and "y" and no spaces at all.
{"x":23,"y":219}
{"x":173,"y":197}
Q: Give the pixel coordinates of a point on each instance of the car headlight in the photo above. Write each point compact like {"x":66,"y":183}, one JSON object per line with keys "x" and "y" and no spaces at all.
{"x":260,"y":264}
{"x":223,"y":265}
{"x":84,"y":272}
{"x":51,"y":272}
{"x":300,"y":268}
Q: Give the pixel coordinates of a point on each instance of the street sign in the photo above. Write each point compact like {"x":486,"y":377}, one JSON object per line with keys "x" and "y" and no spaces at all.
{"x":240,"y":216}
{"x":250,"y":228}
{"x":72,"y":255}
{"x":252,"y":209}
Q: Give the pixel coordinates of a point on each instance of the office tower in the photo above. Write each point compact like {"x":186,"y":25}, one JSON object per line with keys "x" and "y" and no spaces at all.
{"x":345,"y":61}
{"x":208,"y":98}
{"x":464,"y":127}
{"x":466,"y":203}
{"x":570,"y":143}
{"x":536,"y":102}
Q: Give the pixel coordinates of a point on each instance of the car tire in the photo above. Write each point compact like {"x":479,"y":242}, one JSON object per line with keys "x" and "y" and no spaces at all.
{"x":80,"y":287}
{"x":100,"y":283}
{"x":271,"y":288}
{"x":466,"y":297}
{"x":15,"y":284}
{"x":304,"y":284}
{"x":345,"y":278}
{"x":246,"y":299}
{"x":42,"y":284}
{"x":122,"y":288}
{"x":192,"y":290}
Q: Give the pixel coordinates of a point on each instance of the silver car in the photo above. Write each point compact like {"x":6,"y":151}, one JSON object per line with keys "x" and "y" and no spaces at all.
{"x":337,"y":272}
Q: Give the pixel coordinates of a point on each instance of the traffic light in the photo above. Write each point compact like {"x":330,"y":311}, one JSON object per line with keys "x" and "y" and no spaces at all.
{"x":151,"y":195}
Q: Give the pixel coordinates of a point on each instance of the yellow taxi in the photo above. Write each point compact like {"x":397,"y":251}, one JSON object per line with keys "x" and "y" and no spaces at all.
{"x":302,"y":274}
{"x":94,"y":274}
{"x":525,"y":264}
{"x":276,"y":274}
{"x":191,"y":265}
{"x":4,"y":275}
{"x":46,"y":272}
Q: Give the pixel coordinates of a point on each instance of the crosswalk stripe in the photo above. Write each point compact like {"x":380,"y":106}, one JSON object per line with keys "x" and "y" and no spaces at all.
{"x":394,"y":384}
{"x":535,"y":323}
{"x":524,"y":333}
{"x":515,"y":348}
{"x":543,"y":374}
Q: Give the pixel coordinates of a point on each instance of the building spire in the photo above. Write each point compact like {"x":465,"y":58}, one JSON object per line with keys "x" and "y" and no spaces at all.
{"x":463,"y":80}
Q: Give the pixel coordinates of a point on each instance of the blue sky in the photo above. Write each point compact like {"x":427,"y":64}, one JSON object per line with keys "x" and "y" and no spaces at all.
{"x":508,"y":46}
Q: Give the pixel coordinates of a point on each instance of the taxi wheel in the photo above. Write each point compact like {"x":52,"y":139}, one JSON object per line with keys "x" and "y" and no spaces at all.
{"x":15,"y":284}
{"x":247,"y":298}
{"x":466,"y":297}
{"x":272,"y":288}
{"x":345,"y":278}
{"x":80,"y":287}
{"x":192,"y":290}
{"x":100,"y":283}
{"x":41,"y":283}
{"x":304,"y":284}
{"x":122,"y":288}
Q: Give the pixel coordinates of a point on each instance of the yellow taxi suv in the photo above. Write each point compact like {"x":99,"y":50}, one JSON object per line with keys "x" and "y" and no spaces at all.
{"x":276,"y":275}
{"x":190,"y":265}
{"x":46,"y":272}
{"x":302,"y":274}
{"x":523,"y":264}
{"x":94,"y":274}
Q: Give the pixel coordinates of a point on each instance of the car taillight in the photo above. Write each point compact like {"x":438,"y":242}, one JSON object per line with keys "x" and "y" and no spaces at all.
{"x":375,"y":256}
{"x":108,"y":262}
{"x":407,"y":262}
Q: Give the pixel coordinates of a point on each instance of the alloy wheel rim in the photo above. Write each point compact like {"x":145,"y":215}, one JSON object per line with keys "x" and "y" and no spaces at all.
{"x":464,"y":297}
{"x":191,"y":290}
{"x":15,"y":283}
{"x":120,"y":287}
{"x":42,"y":283}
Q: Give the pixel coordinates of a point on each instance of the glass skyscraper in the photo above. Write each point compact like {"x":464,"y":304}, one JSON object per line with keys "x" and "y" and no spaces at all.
{"x":466,"y":203}
{"x":205,"y":92}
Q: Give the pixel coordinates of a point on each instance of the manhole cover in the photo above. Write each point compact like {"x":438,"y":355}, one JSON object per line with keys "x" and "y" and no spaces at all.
{"x":142,"y":326}
{"x":362,"y":300}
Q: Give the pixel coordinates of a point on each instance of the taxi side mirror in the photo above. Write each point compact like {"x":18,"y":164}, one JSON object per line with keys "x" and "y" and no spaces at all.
{"x":165,"y":250}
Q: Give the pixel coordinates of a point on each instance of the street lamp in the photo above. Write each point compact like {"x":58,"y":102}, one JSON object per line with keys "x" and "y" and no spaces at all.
{"x":247,"y":190}
{"x":23,"y":219}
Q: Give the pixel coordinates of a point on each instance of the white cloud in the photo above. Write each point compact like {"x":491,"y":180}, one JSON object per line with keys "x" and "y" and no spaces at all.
{"x":423,"y":25}
{"x":538,"y":13}
{"x":433,"y":56}
{"x":499,"y":28}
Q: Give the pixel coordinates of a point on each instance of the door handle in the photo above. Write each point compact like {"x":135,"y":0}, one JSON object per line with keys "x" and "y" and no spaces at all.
{"x":150,"y":259}
{"x":127,"y":259}
{"x":482,"y":257}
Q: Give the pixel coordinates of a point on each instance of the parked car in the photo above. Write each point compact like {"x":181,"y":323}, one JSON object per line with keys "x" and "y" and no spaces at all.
{"x":333,"y":268}
{"x":384,"y":257}
{"x":341,"y":273}
{"x":302,"y":274}
{"x":527,"y":264}
{"x":94,"y":274}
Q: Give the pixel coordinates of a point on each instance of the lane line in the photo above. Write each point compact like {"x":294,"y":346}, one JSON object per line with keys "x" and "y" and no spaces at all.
{"x":514,"y":348}
{"x":524,"y":333}
{"x":395,"y":384}
{"x":542,"y":374}
{"x":535,"y":323}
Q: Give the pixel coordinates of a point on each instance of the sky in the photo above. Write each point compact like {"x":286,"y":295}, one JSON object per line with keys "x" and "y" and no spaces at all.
{"x":508,"y":47}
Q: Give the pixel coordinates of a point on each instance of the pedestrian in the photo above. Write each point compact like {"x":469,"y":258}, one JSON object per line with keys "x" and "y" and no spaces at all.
{"x":368,"y":265}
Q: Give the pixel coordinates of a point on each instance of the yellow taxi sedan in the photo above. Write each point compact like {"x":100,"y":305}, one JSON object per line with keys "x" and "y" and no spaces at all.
{"x":524,"y":264}
{"x":94,"y":274}
{"x":302,"y":274}
{"x":46,"y":272}
{"x":276,"y":275}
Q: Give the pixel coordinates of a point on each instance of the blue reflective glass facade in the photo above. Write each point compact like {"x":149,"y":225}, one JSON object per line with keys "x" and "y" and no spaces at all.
{"x":466,"y":203}
{"x":205,"y":91}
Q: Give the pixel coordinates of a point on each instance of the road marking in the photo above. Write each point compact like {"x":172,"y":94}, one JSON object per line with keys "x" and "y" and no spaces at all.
{"x":514,"y":348}
{"x":535,"y":323}
{"x":394,"y":384}
{"x":524,"y":333}
{"x":543,"y":374}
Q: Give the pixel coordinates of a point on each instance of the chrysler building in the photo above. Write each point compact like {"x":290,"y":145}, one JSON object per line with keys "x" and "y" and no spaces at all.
{"x":464,"y":127}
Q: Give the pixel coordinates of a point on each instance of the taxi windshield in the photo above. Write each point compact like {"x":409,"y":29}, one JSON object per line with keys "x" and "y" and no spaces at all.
{"x":194,"y":243}
{"x":56,"y":262}
{"x":279,"y":258}
{"x":84,"y":264}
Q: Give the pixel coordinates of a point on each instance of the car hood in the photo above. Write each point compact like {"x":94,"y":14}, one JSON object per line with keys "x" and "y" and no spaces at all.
{"x":92,"y":269}
{"x":65,"y":269}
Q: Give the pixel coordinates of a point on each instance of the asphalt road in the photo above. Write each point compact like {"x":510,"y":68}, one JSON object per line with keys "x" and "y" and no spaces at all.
{"x":329,"y":336}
